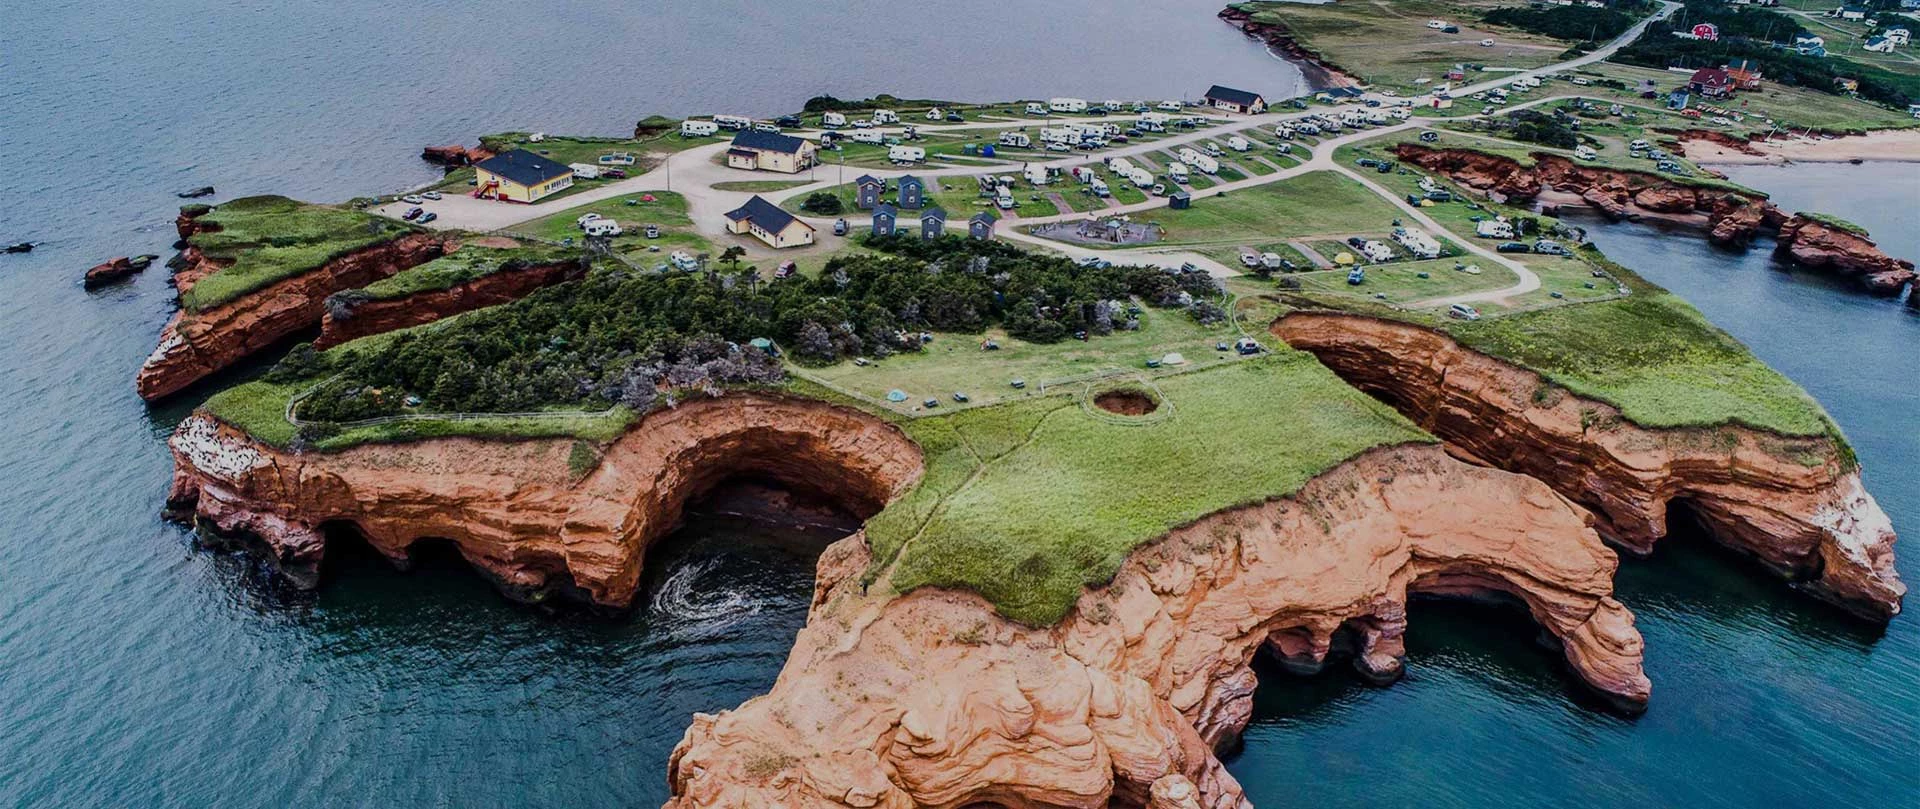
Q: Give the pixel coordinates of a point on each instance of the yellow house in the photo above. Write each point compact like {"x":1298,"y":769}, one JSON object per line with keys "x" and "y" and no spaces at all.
{"x":520,"y":176}
{"x":770,"y":151}
{"x":765,"y":221}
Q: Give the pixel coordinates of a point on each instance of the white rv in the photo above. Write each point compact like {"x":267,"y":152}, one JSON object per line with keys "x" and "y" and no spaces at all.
{"x":868,"y":136}
{"x":698,"y":129}
{"x":1100,"y":188}
{"x":1067,"y":104}
{"x":1141,"y":178}
{"x":1036,"y":175}
{"x":1036,"y":108}
{"x":1058,"y":134}
{"x":906,"y":154}
{"x":1177,"y":171}
{"x":1170,"y":106}
{"x":1119,"y":165}
{"x":732,"y":122}
{"x":1207,"y":165}
{"x":1004,"y":199}
{"x":602,"y":227}
{"x":833,"y":120}
{"x":1190,"y":155}
{"x":884,"y":117}
{"x":1493,"y":229}
{"x":1376,"y":252}
{"x":1017,"y":140}
{"x":936,"y":114}
{"x":584,"y":171}
{"x":1238,"y":144}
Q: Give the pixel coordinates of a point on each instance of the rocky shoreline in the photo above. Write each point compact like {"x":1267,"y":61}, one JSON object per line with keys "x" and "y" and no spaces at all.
{"x":1731,"y":218}
{"x":1795,"y":505}
{"x":1320,"y":72}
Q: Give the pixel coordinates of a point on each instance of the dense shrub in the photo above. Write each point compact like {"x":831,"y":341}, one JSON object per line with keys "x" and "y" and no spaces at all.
{"x":1577,"y":23}
{"x":822,"y":203}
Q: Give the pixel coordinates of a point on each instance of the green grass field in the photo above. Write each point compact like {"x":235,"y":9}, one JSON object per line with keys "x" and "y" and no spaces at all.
{"x":1389,"y":44}
{"x":1029,"y":503}
{"x":1314,"y":203}
{"x":956,"y":362}
{"x":270,"y":239}
{"x":668,"y":210}
{"x":1792,"y":107}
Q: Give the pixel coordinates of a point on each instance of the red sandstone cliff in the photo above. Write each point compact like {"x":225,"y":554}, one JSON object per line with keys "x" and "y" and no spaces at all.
{"x":1732,"y":218}
{"x":932,"y":699}
{"x":1322,"y":72}
{"x":341,"y":323}
{"x":194,"y":345}
{"x":1793,"y":504}
{"x":511,"y":506}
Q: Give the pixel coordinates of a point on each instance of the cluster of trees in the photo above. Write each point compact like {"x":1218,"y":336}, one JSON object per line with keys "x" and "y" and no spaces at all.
{"x":621,"y":337}
{"x":1577,"y":23}
{"x":1765,"y":37}
{"x":822,"y":203}
{"x":1554,"y":128}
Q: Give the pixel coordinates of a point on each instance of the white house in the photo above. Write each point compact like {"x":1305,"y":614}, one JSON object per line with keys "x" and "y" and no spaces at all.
{"x":1898,"y":36}
{"x":1878,"y":45}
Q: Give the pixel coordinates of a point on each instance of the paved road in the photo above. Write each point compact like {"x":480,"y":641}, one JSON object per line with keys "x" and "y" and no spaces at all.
{"x":694,"y":172}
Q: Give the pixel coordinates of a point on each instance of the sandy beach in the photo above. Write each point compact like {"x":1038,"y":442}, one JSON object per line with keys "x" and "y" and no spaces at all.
{"x":1897,"y":145}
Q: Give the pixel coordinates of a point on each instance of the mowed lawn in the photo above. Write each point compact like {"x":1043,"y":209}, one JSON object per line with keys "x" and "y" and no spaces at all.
{"x":1029,"y":503}
{"x":1314,"y":203}
{"x":269,"y":239}
{"x":957,"y":363}
{"x":1390,"y":45}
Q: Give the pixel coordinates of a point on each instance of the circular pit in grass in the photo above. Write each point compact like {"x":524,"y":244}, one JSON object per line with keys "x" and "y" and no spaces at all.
{"x":1126,"y":402}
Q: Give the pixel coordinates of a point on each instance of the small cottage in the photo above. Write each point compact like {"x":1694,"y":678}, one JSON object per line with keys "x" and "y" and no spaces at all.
{"x":1231,"y":100}
{"x":883,"y":220}
{"x":981,"y":226}
{"x":933,"y":223}
{"x":754,"y":150}
{"x":867,"y":191}
{"x":1711,"y":82}
{"x":765,"y":221}
{"x":520,"y":176}
{"x":913,"y":192}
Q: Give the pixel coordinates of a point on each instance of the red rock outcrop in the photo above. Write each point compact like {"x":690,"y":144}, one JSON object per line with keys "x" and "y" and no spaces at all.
{"x":196,"y":344}
{"x":1731,"y":218}
{"x":932,"y":699}
{"x":343,"y":322}
{"x":110,"y":271}
{"x":454,"y":156}
{"x":1321,"y":72}
{"x":1792,"y":503}
{"x":1734,"y":142}
{"x":1817,"y":245}
{"x":513,"y":508}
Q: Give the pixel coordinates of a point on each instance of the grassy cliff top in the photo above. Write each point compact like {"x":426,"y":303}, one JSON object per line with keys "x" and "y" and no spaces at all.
{"x":469,"y":263}
{"x":270,"y":239}
{"x":1029,"y":503}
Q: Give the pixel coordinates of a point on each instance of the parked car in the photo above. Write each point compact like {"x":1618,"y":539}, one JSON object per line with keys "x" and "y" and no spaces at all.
{"x":413,"y":213}
{"x":431,"y":195}
{"x":1486,"y":43}
{"x":412,"y":199}
{"x":1250,"y":261}
{"x":651,"y":231}
{"x":1463,"y":312}
{"x":1513,"y":247}
{"x":427,"y":217}
{"x":839,"y":227}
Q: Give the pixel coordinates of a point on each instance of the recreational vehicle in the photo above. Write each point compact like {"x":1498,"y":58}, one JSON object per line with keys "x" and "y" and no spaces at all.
{"x":1177,"y":172}
{"x":1017,"y":140}
{"x":1141,"y":178}
{"x":1036,"y":175}
{"x":906,"y":154}
{"x":1238,"y":144}
{"x":868,"y":136}
{"x":698,"y":129}
{"x":1100,"y":188}
{"x":1067,"y":104}
{"x":1036,"y":108}
{"x":602,"y":227}
{"x":884,"y":117}
{"x":833,"y":120}
{"x":732,"y":123}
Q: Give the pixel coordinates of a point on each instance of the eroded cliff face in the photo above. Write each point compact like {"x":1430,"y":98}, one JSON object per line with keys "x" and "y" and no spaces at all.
{"x":194,"y":345}
{"x":340,"y":324}
{"x":1794,"y":504}
{"x":1731,"y":218}
{"x":1321,"y":72}
{"x":512,"y":507}
{"x":932,"y":699}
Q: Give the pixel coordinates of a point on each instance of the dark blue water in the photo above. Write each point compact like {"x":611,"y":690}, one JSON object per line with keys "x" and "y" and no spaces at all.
{"x":138,"y":670}
{"x":1760,"y":698}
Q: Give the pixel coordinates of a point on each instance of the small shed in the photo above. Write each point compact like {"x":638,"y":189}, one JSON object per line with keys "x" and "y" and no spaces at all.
{"x":913,"y":192}
{"x":867,"y":190}
{"x":883,"y":220}
{"x":981,"y":225}
{"x":1180,"y":200}
{"x":933,"y":223}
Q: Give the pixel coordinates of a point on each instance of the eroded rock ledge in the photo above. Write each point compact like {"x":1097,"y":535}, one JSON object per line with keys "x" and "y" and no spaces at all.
{"x":513,"y":508}
{"x":1731,"y":218}
{"x":932,"y":699}
{"x":343,"y":321}
{"x":1794,"y":504}
{"x":194,"y":345}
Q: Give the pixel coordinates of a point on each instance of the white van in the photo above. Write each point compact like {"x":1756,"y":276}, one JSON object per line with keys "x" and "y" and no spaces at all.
{"x":698,"y":129}
{"x":906,"y":154}
{"x":1100,"y":188}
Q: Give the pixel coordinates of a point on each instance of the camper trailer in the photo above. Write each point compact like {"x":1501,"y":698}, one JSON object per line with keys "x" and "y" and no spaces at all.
{"x":1141,"y":178}
{"x":1239,"y":144}
{"x":1177,"y":172}
{"x":1207,"y":165}
{"x":698,"y":129}
{"x":1067,"y":104}
{"x":884,"y":117}
{"x":1585,"y":152}
{"x":1036,"y":175}
{"x":584,"y":171}
{"x":1170,"y":106}
{"x":833,"y":120}
{"x":1004,"y":199}
{"x":868,"y":136}
{"x":1376,"y":252}
{"x":602,"y":227}
{"x":1036,"y":108}
{"x":1155,"y":118}
{"x":906,"y":154}
{"x":1018,"y":140}
{"x":1058,"y":134}
{"x":732,"y":123}
{"x":1283,"y":130}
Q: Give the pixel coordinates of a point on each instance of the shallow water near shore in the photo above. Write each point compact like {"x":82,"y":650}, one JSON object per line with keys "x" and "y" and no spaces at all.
{"x":138,"y":670}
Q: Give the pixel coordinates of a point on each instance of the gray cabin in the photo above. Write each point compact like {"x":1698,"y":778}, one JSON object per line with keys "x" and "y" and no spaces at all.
{"x":913,"y":192}
{"x":867,"y":191}
{"x":933,"y":223}
{"x":883,"y":219}
{"x":981,"y":226}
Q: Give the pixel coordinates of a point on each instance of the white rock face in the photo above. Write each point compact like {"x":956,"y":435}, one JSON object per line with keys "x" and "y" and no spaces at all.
{"x":199,"y":440}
